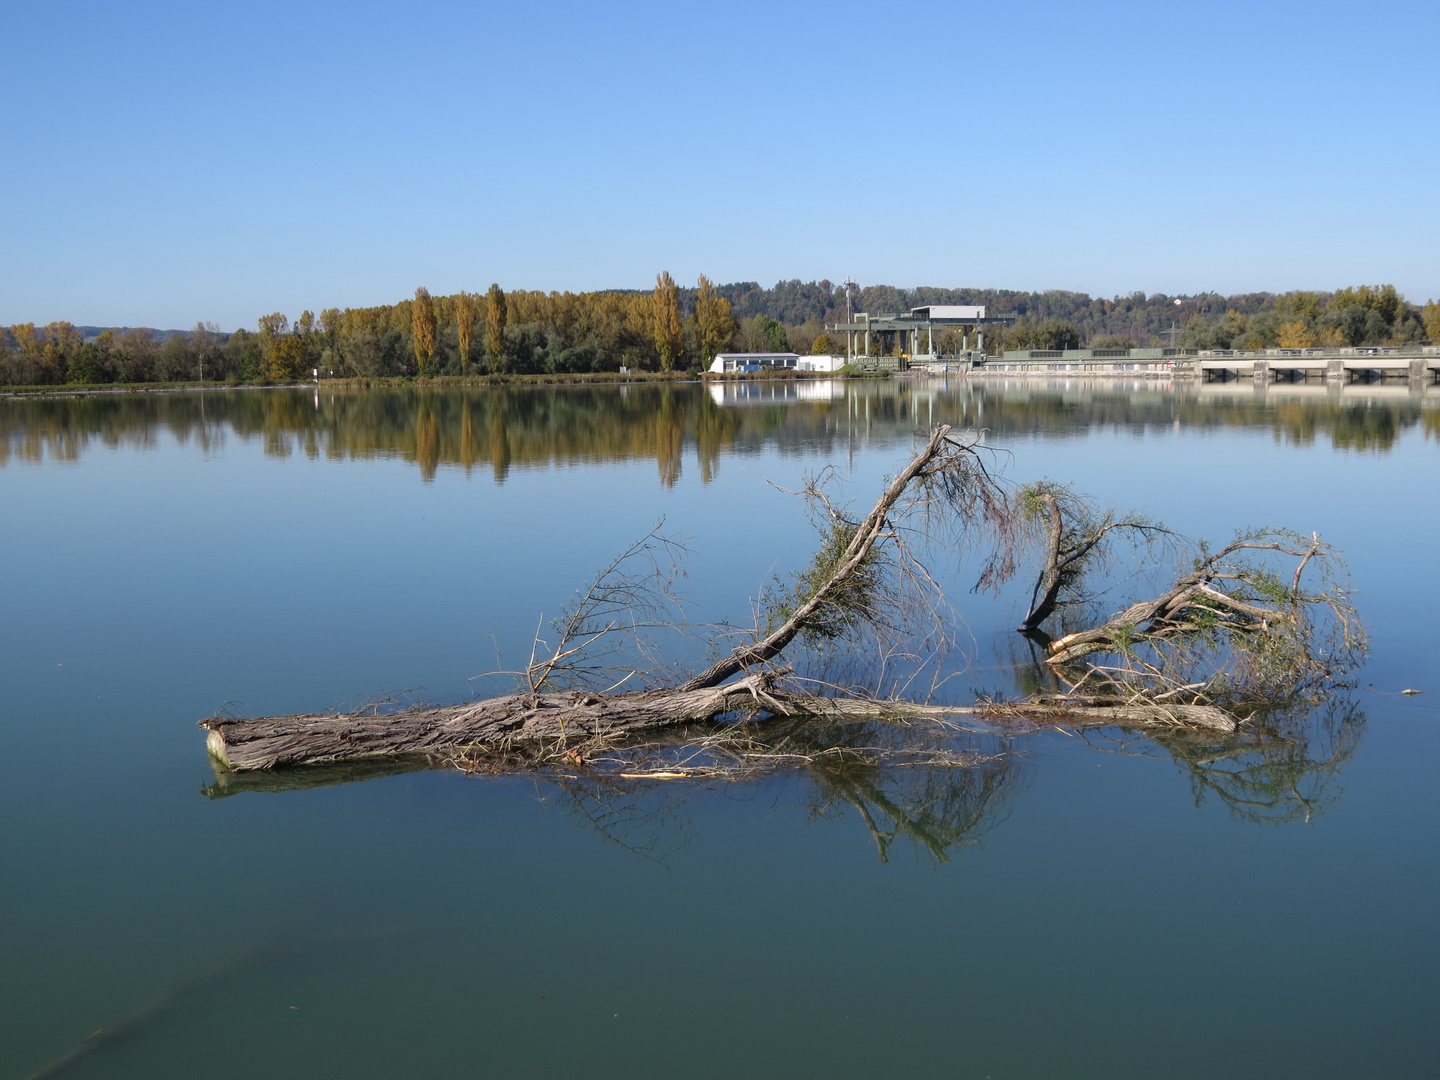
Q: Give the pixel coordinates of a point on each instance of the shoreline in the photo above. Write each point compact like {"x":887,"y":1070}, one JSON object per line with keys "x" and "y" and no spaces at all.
{"x":439,"y":382}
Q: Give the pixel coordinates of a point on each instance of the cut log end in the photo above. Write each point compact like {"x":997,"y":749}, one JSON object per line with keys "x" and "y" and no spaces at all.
{"x":215,"y":744}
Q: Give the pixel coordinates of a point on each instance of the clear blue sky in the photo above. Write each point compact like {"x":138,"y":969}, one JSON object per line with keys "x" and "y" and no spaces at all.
{"x":168,"y":163}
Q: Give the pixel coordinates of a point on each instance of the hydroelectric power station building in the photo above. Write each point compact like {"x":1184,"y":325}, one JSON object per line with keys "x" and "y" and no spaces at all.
{"x":916,"y":335}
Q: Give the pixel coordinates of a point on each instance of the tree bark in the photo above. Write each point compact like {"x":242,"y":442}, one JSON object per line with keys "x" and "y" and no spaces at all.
{"x":1047,"y":585}
{"x":268,"y":742}
{"x":307,"y":739}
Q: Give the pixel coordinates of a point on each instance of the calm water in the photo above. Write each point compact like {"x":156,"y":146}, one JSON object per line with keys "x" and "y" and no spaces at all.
{"x":1085,"y":908}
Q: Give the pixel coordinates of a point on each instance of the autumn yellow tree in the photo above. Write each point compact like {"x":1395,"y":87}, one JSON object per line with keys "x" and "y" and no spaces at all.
{"x":1431,"y":316}
{"x":496,"y":316}
{"x":1295,"y":335}
{"x":273,"y":325}
{"x":286,"y":359}
{"x":464,"y":327}
{"x":665,"y":320}
{"x":422,"y":324}
{"x":714,"y":321}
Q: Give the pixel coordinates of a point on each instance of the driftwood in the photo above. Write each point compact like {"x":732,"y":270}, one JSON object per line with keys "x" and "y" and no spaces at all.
{"x":851,"y":584}
{"x":314,"y":739}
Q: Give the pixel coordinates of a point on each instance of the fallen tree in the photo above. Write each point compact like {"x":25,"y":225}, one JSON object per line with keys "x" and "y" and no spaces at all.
{"x":570,"y":719}
{"x":865,"y":578}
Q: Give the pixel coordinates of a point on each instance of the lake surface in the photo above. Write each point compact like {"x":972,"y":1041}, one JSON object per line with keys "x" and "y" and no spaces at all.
{"x":1097,"y":908}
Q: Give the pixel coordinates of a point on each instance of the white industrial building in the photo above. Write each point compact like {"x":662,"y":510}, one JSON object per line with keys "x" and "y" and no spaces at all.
{"x":821,"y":362}
{"x":752,"y":361}
{"x":755,"y":362}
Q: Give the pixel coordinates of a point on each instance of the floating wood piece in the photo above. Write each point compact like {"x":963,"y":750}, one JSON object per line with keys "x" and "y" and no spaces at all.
{"x":307,"y":739}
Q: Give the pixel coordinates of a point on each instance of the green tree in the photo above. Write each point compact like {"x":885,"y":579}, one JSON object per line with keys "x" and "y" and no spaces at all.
{"x":773,"y":332}
{"x":422,"y":325}
{"x":87,"y":367}
{"x":1356,"y":324}
{"x":1057,"y":334}
{"x":176,"y":360}
{"x":665,"y":320}
{"x":496,"y":315}
{"x":1384,"y":300}
{"x":714,"y":321}
{"x":332,"y":322}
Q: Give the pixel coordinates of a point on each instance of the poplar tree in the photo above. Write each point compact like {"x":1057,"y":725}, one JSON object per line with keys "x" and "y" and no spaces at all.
{"x":464,"y":327}
{"x":495,"y":318}
{"x":422,"y":322}
{"x":714,"y":321}
{"x":665,"y":320}
{"x":331,"y":323}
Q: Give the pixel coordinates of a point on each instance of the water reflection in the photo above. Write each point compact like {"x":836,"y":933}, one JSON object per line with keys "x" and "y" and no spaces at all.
{"x":508,"y":427}
{"x":1276,"y":770}
{"x":1279,"y":770}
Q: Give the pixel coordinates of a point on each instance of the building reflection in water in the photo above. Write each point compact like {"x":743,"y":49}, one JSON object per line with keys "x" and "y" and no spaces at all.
{"x":594,"y":424}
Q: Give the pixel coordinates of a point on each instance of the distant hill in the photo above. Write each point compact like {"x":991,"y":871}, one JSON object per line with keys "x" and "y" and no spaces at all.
{"x":90,"y":333}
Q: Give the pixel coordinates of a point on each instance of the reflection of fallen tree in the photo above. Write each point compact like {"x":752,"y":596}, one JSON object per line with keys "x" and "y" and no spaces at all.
{"x":1277,"y":769}
{"x":867,"y":583}
{"x":937,"y":786}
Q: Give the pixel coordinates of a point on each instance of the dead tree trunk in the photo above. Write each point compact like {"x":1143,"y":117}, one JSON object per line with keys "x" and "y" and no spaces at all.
{"x":273,"y":741}
{"x":1076,"y":534}
{"x":943,"y":470}
{"x":278,"y":741}
{"x":1047,"y":585}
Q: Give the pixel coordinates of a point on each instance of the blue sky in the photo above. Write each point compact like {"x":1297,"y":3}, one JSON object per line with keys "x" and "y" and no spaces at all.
{"x":168,"y":163}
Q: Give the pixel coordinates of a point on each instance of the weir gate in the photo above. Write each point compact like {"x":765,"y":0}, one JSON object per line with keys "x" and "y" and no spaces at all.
{"x":1415,"y":364}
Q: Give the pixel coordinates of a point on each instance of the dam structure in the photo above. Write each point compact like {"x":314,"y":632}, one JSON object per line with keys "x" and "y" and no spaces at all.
{"x":897,"y":341}
{"x":1412,"y":363}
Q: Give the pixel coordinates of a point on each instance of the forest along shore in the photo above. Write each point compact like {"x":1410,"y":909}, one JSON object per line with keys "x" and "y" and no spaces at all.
{"x":674,"y":328}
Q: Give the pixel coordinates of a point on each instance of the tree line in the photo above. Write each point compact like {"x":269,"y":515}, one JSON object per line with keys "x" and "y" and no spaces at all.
{"x":675,"y":327}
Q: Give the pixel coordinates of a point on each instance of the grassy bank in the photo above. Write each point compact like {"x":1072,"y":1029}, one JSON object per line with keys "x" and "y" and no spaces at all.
{"x":437,"y":382}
